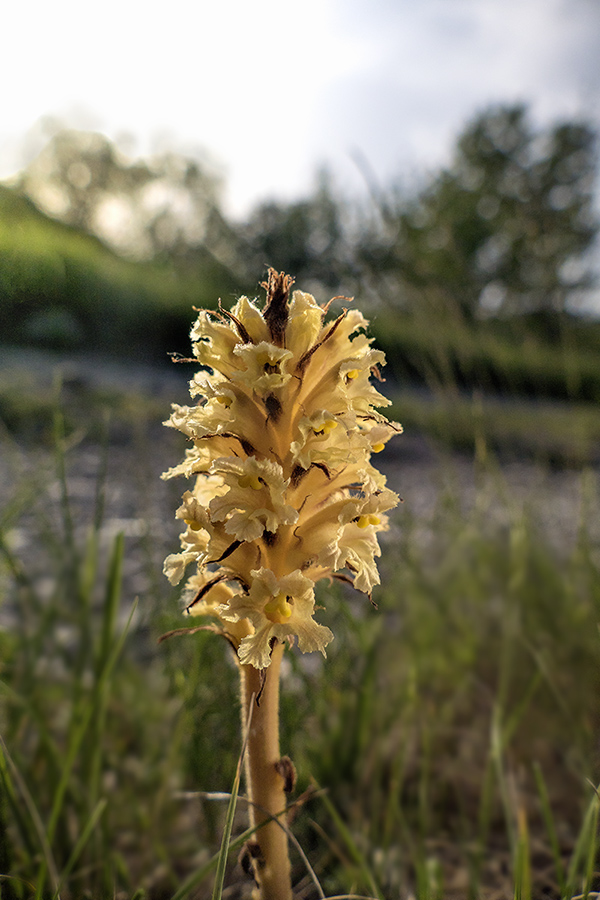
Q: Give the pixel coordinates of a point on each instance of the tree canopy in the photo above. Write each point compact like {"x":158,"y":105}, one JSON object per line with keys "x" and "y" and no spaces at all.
{"x":504,"y":229}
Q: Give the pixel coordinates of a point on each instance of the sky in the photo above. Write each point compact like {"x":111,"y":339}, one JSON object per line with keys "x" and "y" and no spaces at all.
{"x":268,"y":91}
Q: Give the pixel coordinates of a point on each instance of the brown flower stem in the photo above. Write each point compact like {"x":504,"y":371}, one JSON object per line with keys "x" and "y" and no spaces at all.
{"x":264,"y":783}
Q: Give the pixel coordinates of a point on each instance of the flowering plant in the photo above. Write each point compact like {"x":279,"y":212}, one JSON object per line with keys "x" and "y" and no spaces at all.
{"x":284,"y":492}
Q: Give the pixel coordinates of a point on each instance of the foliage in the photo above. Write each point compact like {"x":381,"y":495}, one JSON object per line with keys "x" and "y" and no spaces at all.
{"x":309,"y":237}
{"x":144,"y":209}
{"x":510,"y":358}
{"x":61,"y":661}
{"x":455,"y":748}
{"x":503,"y":230}
{"x":62,"y":288}
{"x":474,"y":272}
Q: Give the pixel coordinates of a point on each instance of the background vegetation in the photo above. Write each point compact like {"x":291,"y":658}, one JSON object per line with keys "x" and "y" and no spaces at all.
{"x":448,"y":747}
{"x":480,"y":278}
{"x":505,"y":232}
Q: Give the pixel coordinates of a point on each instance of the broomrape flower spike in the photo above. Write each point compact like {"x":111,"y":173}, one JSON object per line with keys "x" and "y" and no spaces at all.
{"x":281,"y":438}
{"x":283,"y":491}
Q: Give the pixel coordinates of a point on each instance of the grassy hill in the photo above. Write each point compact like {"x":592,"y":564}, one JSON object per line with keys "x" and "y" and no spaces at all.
{"x":63,"y":289}
{"x":540,"y":356}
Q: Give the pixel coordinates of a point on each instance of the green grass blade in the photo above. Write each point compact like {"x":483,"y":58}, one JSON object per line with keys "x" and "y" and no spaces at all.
{"x":204,"y":871}
{"x":226,"y":839}
{"x":559,"y":869}
{"x":88,"y":570}
{"x":61,"y":471}
{"x":99,"y":699}
{"x":100,"y":497}
{"x":585,"y":848}
{"x":592,"y":848}
{"x":513,"y":720}
{"x":111,"y":601}
{"x":83,"y":726}
{"x":10,"y":794}
{"x":350,"y":843}
{"x":52,"y":752}
{"x":522,"y":862}
{"x":497,"y":746}
{"x":45,"y":845}
{"x":78,"y":736}
{"x":79,"y":846}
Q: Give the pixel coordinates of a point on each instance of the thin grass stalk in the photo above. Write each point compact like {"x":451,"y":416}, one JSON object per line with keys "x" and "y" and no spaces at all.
{"x":48,"y":865}
{"x":586,"y":850}
{"x":392,"y":816}
{"x":355,"y":854}
{"x":79,"y":734}
{"x":101,"y":689}
{"x":226,"y":839}
{"x":111,"y":605}
{"x":559,"y":869}
{"x":218,"y":795}
{"x":236,"y":844}
{"x":11,"y":801}
{"x":522,"y":861}
{"x":80,"y":845}
{"x":204,"y":871}
{"x":75,"y":742}
{"x":593,"y":844}
{"x":65,"y":502}
{"x":483,"y":826}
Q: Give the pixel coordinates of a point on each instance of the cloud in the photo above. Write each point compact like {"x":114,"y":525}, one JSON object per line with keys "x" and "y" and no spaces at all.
{"x":425,"y":68}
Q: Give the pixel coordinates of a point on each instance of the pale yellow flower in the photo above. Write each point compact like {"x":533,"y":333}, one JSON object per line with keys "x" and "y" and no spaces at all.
{"x":280,"y":608}
{"x":255,"y":501}
{"x":264,"y":367}
{"x":282,"y":433}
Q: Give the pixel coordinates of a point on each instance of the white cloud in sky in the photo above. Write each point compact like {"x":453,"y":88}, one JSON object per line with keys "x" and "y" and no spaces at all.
{"x":432,"y":65}
{"x":272,"y":88}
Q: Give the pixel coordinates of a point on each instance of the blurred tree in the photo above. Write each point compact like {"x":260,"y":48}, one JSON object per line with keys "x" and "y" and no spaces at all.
{"x":308,"y":238}
{"x":166,"y":206}
{"x":503,"y":230}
